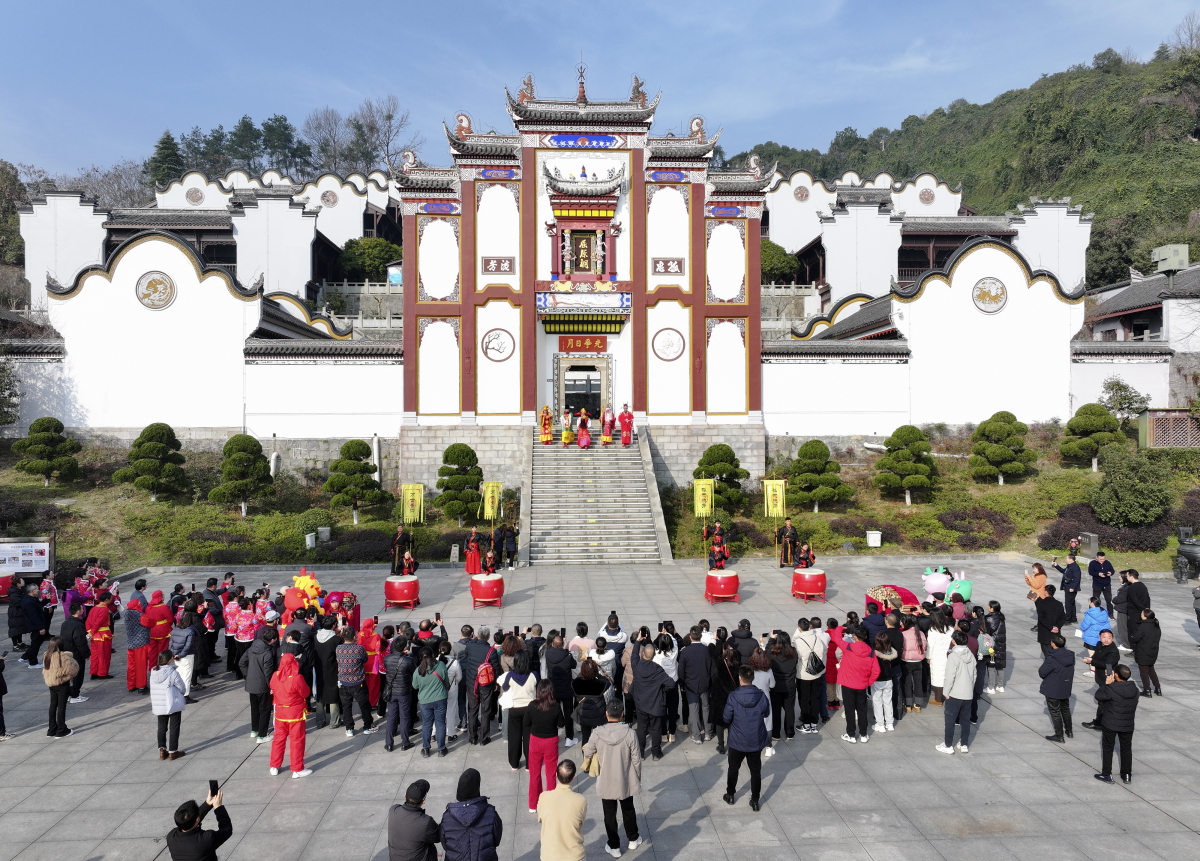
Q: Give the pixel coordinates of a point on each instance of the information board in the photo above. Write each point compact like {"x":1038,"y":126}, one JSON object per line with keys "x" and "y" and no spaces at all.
{"x":26,"y":555}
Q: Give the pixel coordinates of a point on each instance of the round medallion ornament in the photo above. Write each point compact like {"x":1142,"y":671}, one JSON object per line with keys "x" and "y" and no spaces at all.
{"x":155,"y":290}
{"x":927,"y":196}
{"x":194,"y":196}
{"x":329,"y":198}
{"x":989,"y":295}
{"x":801,"y":194}
{"x":498,"y":345}
{"x":668,"y":344}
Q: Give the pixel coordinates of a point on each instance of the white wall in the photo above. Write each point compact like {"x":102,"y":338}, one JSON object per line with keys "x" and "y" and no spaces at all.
{"x":1150,"y":376}
{"x":966,"y":364}
{"x":343,"y":220}
{"x":62,"y":236}
{"x":1055,"y":238}
{"x":725,"y":370}
{"x":498,"y":383}
{"x":726,"y":261}
{"x":213,"y":194}
{"x":794,"y":222}
{"x":1181,"y":324}
{"x":861,"y":246}
{"x":668,"y":234}
{"x":668,"y":383}
{"x":835,"y":397}
{"x":302,"y":401}
{"x":907,"y":198}
{"x":497,"y":234}
{"x":439,"y":371}
{"x":437,"y":258}
{"x":274,"y":239}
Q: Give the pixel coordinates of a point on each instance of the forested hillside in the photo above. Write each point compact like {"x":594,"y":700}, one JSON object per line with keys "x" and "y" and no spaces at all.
{"x":1119,"y":137}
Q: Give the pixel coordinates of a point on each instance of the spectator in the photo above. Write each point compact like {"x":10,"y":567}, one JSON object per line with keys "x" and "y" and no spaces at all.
{"x":34,"y":625}
{"x":4,"y":736}
{"x":352,"y":675}
{"x":784,"y":666}
{"x":432,"y":689}
{"x":562,"y":812}
{"x":995,"y":664}
{"x":1118,"y":699}
{"x":896,"y":637}
{"x":745,"y":712}
{"x":744,"y":641}
{"x":616,"y":638}
{"x":858,"y":671}
{"x":665,"y":652}
{"x":913,"y":658}
{"x":1102,"y":571}
{"x":75,"y":640}
{"x":1103,"y":661}
{"x":454,"y":679}
{"x":183,"y":646}
{"x":620,"y":776}
{"x":542,"y":721}
{"x":559,"y":666}
{"x":167,"y":698}
{"x":1145,"y":650}
{"x":137,"y":645}
{"x":188,"y":841}
{"x":1121,"y":605}
{"x":289,"y":691}
{"x":459,"y":650}
{"x":809,"y":656}
{"x":1058,"y":672}
{"x":873,"y":622}
{"x":881,"y":688}
{"x":481,"y":681}
{"x":591,"y":690}
{"x":764,"y":680}
{"x":258,"y":664}
{"x":328,"y":694}
{"x":725,"y":682}
{"x":397,"y":693}
{"x":938,"y":645}
{"x":1094,"y":621}
{"x":1069,"y":587}
{"x":1137,"y":598}
{"x":1196,"y":604}
{"x":606,"y":659}
{"x":18,"y":624}
{"x":581,"y":642}
{"x":1050,"y":615}
{"x":959,"y":688}
{"x":58,"y":668}
{"x":471,"y":829}
{"x":412,"y":833}
{"x":696,"y":672}
{"x":650,"y":683}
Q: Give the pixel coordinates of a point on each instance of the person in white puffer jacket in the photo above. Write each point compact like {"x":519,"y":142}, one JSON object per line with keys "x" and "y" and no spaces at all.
{"x":167,"y":695}
{"x":666,"y":650}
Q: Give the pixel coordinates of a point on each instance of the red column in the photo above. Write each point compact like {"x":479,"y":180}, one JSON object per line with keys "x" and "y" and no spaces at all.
{"x":468,"y":296}
{"x":409,"y":268}
{"x":637,"y":263}
{"x":753,"y":313}
{"x":529,"y":226}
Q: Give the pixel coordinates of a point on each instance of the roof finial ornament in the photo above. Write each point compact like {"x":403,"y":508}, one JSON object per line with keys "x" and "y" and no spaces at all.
{"x":696,"y":127}
{"x":581,"y":69}
{"x":525,"y":94}
{"x":637,"y":94}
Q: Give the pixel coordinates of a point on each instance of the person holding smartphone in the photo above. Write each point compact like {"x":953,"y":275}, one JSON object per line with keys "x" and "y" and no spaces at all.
{"x":187,"y":840}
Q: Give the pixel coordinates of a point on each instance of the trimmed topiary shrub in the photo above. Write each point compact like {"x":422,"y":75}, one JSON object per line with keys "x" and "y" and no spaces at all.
{"x":245,"y":473}
{"x":815,"y":477}
{"x":1092,"y":426}
{"x":1133,"y":492}
{"x":309,"y":521}
{"x":999,"y":449}
{"x":47,"y":452}
{"x":350,"y":479}
{"x":155,"y":464}
{"x":720,"y":463}
{"x":459,"y":478}
{"x":907,"y":465}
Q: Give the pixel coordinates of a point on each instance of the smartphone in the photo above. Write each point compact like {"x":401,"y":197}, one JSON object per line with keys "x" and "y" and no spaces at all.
{"x":214,"y":787}
{"x":193,"y":587}
{"x":1108,"y":668}
{"x":612,"y":612}
{"x":5,"y":655}
{"x":376,"y":620}
{"x":437,"y":617}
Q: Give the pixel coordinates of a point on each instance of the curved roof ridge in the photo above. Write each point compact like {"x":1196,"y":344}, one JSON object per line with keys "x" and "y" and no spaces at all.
{"x":945,"y":273}
{"x":585,"y":187}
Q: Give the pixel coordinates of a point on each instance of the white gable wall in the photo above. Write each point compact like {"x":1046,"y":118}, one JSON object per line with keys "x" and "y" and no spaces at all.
{"x":62,"y":236}
{"x":795,"y":223}
{"x":212,"y":194}
{"x":1054,"y":238}
{"x":861,"y":246}
{"x":274,"y":239}
{"x":343,"y":220}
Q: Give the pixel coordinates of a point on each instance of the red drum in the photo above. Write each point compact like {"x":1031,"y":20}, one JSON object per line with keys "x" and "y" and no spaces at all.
{"x":808,"y":583}
{"x":403,"y":591}
{"x":721,"y":586}
{"x":487,"y":590}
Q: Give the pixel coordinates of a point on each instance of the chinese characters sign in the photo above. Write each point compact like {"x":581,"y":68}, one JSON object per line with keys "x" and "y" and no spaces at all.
{"x":667,"y":265}
{"x":499,"y":265}
{"x":583,"y":343}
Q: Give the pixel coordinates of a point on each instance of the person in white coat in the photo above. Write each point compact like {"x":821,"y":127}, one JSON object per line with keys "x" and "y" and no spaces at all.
{"x":937,"y":646}
{"x":167,"y":695}
{"x":453,"y":680}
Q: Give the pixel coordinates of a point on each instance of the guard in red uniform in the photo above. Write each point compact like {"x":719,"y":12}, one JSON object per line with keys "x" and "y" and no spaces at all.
{"x":625,"y":419}
{"x":99,"y":628}
{"x":158,"y":619}
{"x":290,"y":693}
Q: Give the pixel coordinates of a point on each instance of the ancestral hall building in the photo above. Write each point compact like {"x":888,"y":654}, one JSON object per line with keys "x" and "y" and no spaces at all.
{"x":577,"y":262}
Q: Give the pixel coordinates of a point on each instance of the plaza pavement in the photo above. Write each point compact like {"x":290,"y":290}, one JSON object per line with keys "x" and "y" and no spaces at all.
{"x":103,"y":794}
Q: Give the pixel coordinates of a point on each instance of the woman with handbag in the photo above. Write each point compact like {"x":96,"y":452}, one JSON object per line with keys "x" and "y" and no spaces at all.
{"x":518,"y":687}
{"x":591,"y":691}
{"x":810,"y":677}
{"x":59,"y":667}
{"x":167,"y":698}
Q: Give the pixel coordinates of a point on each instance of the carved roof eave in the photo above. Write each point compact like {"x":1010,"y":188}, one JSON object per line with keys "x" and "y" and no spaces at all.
{"x":483,"y":145}
{"x":681,"y":147}
{"x":427,"y":182}
{"x":583,"y":188}
{"x":742,"y":183}
{"x":564,"y":111}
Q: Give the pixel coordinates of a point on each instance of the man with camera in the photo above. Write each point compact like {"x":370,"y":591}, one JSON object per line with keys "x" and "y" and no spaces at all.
{"x":188,"y":841}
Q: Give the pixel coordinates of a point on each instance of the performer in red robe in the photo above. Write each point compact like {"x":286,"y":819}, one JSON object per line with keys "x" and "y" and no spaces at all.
{"x":607,"y":422}
{"x":290,"y":693}
{"x":136,"y":675}
{"x":585,"y":434}
{"x":625,"y":419}
{"x":99,"y":628}
{"x":333,"y":606}
{"x":373,"y":643}
{"x":489,"y":563}
{"x":546,"y":423}
{"x":409,"y":566}
{"x":716,"y":556}
{"x":473,"y":542}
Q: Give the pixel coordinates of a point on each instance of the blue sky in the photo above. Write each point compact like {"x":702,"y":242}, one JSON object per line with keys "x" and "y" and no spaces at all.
{"x":91,"y":83}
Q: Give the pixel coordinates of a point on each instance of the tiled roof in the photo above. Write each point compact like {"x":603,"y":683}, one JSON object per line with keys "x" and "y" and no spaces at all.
{"x":303,"y":348}
{"x":1121,"y":348}
{"x":819,"y":348}
{"x":1151,"y":291}
{"x":425,"y":178}
{"x":671,"y":147}
{"x":974,"y":224}
{"x":169,"y":218}
{"x":849,"y":195}
{"x":584,"y":187}
{"x":499,"y":145}
{"x":741,"y":182}
{"x":580,"y":112}
{"x":872,"y":314}
{"x":40,"y":347}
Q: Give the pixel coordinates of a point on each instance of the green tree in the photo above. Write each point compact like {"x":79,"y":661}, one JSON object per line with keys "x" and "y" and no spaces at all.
{"x":1092,"y":427}
{"x":350,"y":479}
{"x":778,"y":267}
{"x":155,"y":464}
{"x":999,"y":449}
{"x":10,"y":391}
{"x":815,"y":477}
{"x":47,"y":452}
{"x":166,"y":163}
{"x":367,"y":259}
{"x":12,"y":195}
{"x":1123,"y":401}
{"x":720,"y":463}
{"x":1133,"y":492}
{"x":245,"y":145}
{"x":245,"y":473}
{"x":284,"y":149}
{"x":459,"y":478}
{"x":907,"y":464}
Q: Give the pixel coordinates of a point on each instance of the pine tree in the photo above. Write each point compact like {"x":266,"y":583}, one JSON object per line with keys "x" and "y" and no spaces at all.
{"x":459,"y":479}
{"x":350,"y":479}
{"x":815,"y":477}
{"x":155,"y":464}
{"x":907,"y":465}
{"x":244,"y":146}
{"x":720,"y":463}
{"x":166,"y":163}
{"x":1088,"y":431}
{"x":245,"y":473}
{"x":47,"y":452}
{"x":999,"y":448}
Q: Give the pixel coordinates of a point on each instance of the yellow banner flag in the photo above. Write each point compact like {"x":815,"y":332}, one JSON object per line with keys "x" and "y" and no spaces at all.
{"x":703,"y":489}
{"x":413,"y":496}
{"x":491,"y":499}
{"x":775,"y":497}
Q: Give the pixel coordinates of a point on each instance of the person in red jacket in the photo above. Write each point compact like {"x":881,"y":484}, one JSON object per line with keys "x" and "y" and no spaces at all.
{"x":290,"y":692}
{"x":858,"y":671}
{"x":158,"y":619}
{"x":99,"y":628}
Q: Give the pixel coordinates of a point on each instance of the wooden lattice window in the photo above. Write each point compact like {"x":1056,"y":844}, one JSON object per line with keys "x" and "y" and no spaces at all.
{"x":1179,"y":431}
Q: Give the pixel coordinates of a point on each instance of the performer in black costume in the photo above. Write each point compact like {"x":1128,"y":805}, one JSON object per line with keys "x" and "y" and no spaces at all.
{"x":787,"y":538}
{"x":402,"y":542}
{"x":716,"y":556}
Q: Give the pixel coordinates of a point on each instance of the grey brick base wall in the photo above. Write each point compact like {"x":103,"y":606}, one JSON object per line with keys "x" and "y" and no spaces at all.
{"x":676,"y":449}
{"x":499,"y":447}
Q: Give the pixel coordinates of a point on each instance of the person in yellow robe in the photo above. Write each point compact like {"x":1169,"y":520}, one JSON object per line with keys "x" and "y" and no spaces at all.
{"x":546,"y":422}
{"x":568,"y":433}
{"x":607,"y":422}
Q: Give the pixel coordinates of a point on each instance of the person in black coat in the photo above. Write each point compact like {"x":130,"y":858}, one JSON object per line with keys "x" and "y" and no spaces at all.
{"x":327,"y":694}
{"x":412,"y":833}
{"x":1071,"y":580}
{"x":1118,"y":699}
{"x":1137,"y":599}
{"x":75,"y":640}
{"x":188,"y":841}
{"x":649,"y":691}
{"x":695,"y":673}
{"x":1050,"y":617}
{"x":510,"y":545}
{"x":398,"y":694}
{"x":1057,"y":672}
{"x":4,"y":736}
{"x":559,"y":666}
{"x":1145,"y":650}
{"x":480,"y":698}
{"x":34,"y":623}
{"x":258,"y":664}
{"x":1102,"y":661}
{"x":743,"y":640}
{"x":471,"y":829}
{"x":745,"y":713}
{"x":18,"y":627}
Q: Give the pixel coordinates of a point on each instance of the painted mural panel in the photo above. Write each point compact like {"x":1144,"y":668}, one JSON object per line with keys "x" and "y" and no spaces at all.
{"x":668,"y":360}
{"x":498,"y":238}
{"x":725,"y":367}
{"x":498,"y":358}
{"x":439,"y":379}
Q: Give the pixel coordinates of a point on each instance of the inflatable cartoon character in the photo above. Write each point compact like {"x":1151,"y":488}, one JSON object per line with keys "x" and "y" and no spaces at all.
{"x":301,"y":595}
{"x":936,"y":580}
{"x":960,"y":587}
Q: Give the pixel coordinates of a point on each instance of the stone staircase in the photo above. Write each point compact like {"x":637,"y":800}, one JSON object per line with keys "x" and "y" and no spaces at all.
{"x":593,"y":506}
